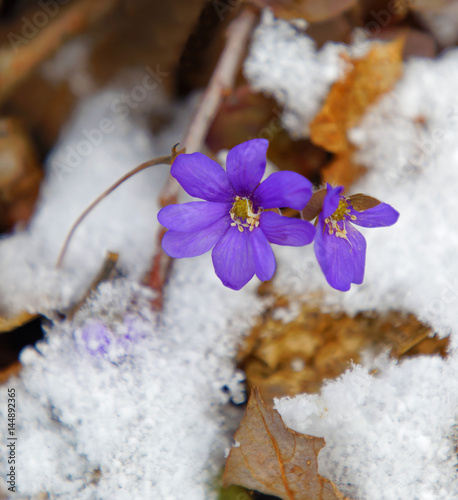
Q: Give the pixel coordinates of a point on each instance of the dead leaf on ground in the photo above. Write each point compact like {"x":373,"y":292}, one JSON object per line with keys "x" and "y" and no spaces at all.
{"x":288,"y":358}
{"x":366,"y":80}
{"x":8,"y":324}
{"x":22,"y":54}
{"x":10,"y":371}
{"x":275,"y":460}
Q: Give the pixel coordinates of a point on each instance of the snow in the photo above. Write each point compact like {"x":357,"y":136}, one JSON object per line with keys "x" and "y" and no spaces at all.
{"x":144,"y":399}
{"x":141,"y":403}
{"x":387,"y":436}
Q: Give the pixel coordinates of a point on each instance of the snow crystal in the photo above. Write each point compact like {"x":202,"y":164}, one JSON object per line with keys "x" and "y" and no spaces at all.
{"x":95,"y":150}
{"x":144,"y":408}
{"x":387,"y":436}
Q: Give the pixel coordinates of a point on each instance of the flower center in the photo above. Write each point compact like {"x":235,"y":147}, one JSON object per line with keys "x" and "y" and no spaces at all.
{"x":242,"y":214}
{"x":340,"y":215}
{"x":342,"y":210}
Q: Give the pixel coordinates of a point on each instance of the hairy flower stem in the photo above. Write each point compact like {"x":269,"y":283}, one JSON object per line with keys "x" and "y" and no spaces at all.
{"x":150,"y":163}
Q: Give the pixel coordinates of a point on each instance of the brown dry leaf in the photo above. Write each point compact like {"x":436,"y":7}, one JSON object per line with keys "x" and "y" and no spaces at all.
{"x":156,"y":31}
{"x":243,"y":114}
{"x":366,"y":80}
{"x":310,"y":10}
{"x":8,"y":324}
{"x":284,"y":359}
{"x":10,"y":371}
{"x":275,"y":460}
{"x":427,"y":4}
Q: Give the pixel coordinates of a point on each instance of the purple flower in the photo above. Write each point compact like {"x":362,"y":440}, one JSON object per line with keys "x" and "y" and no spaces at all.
{"x":97,"y":338}
{"x":235,"y":218}
{"x":339,"y":247}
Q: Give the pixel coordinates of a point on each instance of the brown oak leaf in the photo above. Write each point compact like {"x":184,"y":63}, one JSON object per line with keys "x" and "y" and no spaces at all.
{"x":275,"y":460}
{"x":365,"y":81}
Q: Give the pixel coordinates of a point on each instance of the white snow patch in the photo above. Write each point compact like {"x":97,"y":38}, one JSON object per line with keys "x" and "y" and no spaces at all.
{"x":387,"y":436}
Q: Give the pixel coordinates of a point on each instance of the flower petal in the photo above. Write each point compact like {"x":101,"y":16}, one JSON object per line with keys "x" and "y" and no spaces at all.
{"x":358,"y":253}
{"x":202,"y":177}
{"x":331,"y":200}
{"x":282,"y":230}
{"x":192,"y":216}
{"x":180,"y":244}
{"x":233,"y":259}
{"x":284,"y":189}
{"x":245,"y":165}
{"x":341,"y":260}
{"x":263,"y":255}
{"x":378,"y":216}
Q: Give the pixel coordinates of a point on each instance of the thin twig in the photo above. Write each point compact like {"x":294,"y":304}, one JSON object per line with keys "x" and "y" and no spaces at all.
{"x":222,"y":80}
{"x":105,"y":274}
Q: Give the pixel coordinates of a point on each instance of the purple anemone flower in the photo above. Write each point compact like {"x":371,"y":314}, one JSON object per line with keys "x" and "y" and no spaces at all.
{"x":97,"y":338}
{"x":339,"y":247}
{"x":235,"y":219}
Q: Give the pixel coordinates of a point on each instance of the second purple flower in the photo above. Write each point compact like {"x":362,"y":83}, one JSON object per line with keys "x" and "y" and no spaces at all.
{"x":235,"y":219}
{"x":340,"y":248}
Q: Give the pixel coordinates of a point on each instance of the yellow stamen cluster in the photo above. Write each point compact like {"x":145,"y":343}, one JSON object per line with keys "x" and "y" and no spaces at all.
{"x":342,"y":212}
{"x":242,"y":214}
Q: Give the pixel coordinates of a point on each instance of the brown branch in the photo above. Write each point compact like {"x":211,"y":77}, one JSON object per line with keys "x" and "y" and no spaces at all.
{"x":222,"y":80}
{"x":19,"y":60}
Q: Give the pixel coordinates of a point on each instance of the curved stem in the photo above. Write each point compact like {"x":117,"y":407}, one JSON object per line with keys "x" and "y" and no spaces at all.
{"x":146,"y":164}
